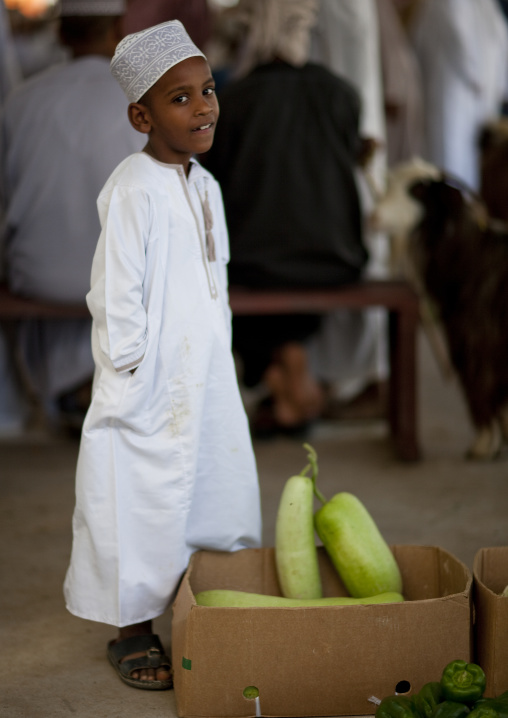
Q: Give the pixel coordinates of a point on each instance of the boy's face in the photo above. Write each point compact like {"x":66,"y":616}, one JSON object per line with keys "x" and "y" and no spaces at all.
{"x":181,"y":112}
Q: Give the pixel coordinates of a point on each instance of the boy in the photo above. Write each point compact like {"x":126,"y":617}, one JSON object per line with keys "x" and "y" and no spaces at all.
{"x":166,"y":465}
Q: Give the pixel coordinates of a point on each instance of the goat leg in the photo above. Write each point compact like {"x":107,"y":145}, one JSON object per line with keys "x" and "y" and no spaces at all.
{"x":487,"y":443}
{"x":503,"y":422}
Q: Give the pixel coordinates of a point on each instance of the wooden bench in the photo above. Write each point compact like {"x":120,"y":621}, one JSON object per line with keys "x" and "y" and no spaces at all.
{"x":396,"y":296}
{"x":15,"y":308}
{"x":402,"y":305}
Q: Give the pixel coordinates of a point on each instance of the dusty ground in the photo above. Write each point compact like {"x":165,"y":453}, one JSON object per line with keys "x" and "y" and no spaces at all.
{"x":53,"y":665}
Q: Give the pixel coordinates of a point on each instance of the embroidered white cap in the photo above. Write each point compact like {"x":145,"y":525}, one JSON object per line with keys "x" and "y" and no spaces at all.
{"x":142,"y":58}
{"x":92,"y":8}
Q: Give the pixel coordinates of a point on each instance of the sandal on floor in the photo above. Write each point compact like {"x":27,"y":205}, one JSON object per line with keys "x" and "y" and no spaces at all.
{"x":154,"y":658}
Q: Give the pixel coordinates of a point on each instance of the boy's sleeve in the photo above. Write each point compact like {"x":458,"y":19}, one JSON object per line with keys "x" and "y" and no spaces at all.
{"x":116,"y":296}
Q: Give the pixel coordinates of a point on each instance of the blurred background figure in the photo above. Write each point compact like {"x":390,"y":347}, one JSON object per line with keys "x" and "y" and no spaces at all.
{"x":10,"y":70}
{"x":62,"y":133}
{"x":503,"y":4}
{"x":34,"y":29}
{"x":36,"y":41}
{"x":13,"y":409}
{"x":402,"y":87}
{"x":285,"y":153}
{"x":407,"y":10}
{"x":196,"y":16}
{"x":345,"y":39}
{"x":350,"y":351}
{"x":462,"y":47}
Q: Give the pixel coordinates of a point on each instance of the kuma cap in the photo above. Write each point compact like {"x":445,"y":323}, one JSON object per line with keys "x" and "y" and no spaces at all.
{"x":92,"y":8}
{"x":142,"y":58}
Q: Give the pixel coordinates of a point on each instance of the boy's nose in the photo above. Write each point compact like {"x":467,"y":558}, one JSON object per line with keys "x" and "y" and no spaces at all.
{"x":204,"y":107}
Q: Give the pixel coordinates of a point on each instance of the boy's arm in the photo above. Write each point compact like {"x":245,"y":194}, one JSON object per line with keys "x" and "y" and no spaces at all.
{"x":116,"y":299}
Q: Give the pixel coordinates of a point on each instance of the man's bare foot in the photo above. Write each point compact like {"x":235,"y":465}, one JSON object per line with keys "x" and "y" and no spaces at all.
{"x":161,"y":674}
{"x":297,"y":396}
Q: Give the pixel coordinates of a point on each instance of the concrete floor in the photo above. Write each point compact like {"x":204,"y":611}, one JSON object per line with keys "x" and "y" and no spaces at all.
{"x":53,"y":665}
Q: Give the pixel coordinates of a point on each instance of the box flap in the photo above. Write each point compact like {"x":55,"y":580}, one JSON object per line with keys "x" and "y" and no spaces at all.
{"x":490,"y":571}
{"x":490,"y":567}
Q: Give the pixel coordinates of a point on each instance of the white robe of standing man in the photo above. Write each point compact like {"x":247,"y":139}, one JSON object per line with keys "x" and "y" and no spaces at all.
{"x":350,"y":352}
{"x":462,"y":46}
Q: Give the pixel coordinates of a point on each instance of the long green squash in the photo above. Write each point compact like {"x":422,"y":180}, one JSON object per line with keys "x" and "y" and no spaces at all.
{"x":356,"y":547}
{"x":295,"y":546}
{"x":224,"y":598}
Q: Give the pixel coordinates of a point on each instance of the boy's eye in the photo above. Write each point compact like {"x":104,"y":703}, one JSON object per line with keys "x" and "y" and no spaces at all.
{"x":209,"y":91}
{"x":180,"y":99}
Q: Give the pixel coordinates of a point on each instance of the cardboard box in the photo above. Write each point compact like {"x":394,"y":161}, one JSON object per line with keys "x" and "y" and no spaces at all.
{"x":490,"y":573}
{"x":324,"y":661}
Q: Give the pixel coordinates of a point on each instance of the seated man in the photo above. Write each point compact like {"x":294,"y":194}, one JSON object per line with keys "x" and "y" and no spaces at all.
{"x":63,"y":131}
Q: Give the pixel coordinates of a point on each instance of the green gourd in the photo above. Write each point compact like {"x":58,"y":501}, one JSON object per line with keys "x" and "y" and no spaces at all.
{"x":295,"y":547}
{"x":351,"y":538}
{"x":224,"y":598}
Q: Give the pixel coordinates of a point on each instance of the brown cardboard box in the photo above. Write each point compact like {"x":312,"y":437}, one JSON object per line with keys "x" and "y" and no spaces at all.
{"x":490,"y":572}
{"x":324,"y":661}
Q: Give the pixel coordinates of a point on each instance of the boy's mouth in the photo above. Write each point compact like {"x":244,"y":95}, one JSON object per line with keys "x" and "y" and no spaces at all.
{"x":203,"y":128}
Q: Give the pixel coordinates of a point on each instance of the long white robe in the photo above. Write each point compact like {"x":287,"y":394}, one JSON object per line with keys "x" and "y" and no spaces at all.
{"x":402,"y":87}
{"x":345,"y":39}
{"x":166,"y":464}
{"x":462,"y":46}
{"x":350,"y":350}
{"x":62,"y":133}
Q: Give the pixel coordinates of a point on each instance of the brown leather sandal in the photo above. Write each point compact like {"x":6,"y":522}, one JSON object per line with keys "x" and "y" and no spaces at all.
{"x":154,"y":658}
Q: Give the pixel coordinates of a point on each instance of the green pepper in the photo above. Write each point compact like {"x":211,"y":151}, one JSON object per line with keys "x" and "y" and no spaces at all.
{"x":395,"y":707}
{"x":501,"y":698}
{"x":463,"y":682}
{"x":484,"y":710}
{"x":499,"y":705}
{"x":427,"y":698}
{"x":451,"y":709}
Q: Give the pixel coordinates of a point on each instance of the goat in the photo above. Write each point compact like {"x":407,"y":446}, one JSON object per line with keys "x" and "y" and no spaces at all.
{"x":459,"y":257}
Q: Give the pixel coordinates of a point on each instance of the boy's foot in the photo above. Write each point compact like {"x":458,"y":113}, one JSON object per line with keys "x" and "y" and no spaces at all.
{"x":140,"y":661}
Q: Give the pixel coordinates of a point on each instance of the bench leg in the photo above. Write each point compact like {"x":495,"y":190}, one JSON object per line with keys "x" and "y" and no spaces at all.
{"x":402,"y":327}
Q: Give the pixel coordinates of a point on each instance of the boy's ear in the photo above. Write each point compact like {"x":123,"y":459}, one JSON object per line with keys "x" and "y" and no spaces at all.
{"x":139,"y":117}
